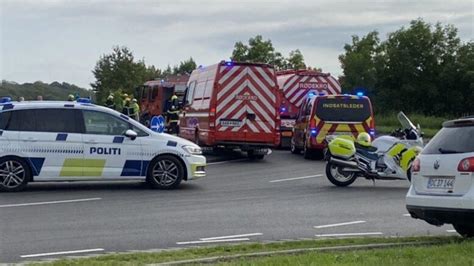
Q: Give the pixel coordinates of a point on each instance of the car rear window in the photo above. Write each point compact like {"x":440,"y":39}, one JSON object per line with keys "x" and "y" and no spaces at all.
{"x":343,"y":109}
{"x":451,"y":140}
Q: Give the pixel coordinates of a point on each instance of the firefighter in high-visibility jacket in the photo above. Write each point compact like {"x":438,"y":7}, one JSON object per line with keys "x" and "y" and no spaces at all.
{"x":172,"y":115}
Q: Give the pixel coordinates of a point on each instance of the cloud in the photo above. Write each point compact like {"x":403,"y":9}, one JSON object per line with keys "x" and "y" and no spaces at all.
{"x":62,"y":40}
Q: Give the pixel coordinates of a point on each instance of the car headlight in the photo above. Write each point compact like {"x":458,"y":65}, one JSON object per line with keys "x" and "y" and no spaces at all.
{"x":194,"y":150}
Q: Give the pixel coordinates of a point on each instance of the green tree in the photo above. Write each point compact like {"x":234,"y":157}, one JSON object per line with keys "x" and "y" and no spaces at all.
{"x":185,"y":67}
{"x":258,"y":51}
{"x":423,"y":68}
{"x":358,"y":62}
{"x":120,"y":71}
{"x":295,"y":60}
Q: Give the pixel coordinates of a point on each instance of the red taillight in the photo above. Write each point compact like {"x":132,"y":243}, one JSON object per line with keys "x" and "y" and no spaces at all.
{"x":212,"y":112}
{"x":312,"y":123}
{"x":415,"y":167}
{"x":466,"y":165}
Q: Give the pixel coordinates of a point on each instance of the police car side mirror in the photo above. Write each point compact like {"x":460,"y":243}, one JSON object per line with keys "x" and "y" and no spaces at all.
{"x":131,"y":134}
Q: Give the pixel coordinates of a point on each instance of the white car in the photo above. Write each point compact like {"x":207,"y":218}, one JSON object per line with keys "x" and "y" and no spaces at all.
{"x":442,"y":188}
{"x":68,"y":141}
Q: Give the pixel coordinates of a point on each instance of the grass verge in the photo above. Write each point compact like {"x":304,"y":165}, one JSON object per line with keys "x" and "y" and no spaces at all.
{"x":443,"y":254}
{"x":142,"y":258}
{"x":386,"y":123}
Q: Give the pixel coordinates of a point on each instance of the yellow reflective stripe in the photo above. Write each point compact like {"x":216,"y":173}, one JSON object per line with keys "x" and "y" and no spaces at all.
{"x":323,"y":132}
{"x":82,"y":167}
{"x":360,"y":128}
{"x":343,"y":128}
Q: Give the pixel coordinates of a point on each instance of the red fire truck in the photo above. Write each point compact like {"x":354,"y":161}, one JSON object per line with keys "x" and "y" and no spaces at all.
{"x":234,"y":105}
{"x":294,"y":87}
{"x":154,"y":94}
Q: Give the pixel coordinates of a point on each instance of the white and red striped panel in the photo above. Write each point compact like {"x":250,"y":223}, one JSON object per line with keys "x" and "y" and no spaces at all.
{"x":245,"y":89}
{"x":292,"y":84}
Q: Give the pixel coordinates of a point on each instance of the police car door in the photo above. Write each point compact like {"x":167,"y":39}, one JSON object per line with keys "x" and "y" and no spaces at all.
{"x":108,"y":153}
{"x":49,"y":139}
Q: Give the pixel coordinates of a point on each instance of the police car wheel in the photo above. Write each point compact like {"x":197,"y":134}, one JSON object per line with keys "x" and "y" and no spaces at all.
{"x":338,"y":177}
{"x":465,"y":230}
{"x":165,"y":172}
{"x":14,"y":174}
{"x":307,"y":153}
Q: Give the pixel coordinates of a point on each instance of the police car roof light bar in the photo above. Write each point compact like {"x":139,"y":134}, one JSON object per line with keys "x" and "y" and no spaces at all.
{"x":5,"y":99}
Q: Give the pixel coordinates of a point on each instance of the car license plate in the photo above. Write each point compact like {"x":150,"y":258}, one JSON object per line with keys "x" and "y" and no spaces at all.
{"x":230,"y":122}
{"x":286,"y":133}
{"x":445,"y":183}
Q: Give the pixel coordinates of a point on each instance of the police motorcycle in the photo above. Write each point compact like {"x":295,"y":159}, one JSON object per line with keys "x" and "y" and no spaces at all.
{"x":386,"y":158}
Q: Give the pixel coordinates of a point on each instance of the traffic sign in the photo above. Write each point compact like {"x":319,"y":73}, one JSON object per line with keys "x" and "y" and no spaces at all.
{"x":157,"y":124}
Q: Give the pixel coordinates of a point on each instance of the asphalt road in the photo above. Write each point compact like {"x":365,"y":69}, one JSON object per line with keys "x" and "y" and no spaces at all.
{"x":281,"y":197}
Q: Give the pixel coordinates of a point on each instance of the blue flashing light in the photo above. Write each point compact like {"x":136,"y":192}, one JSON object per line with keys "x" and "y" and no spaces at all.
{"x":311,"y":94}
{"x":83,"y":100}
{"x":5,"y":99}
{"x":282,"y":109}
{"x":360,"y":94}
{"x":313,"y":132}
{"x":372,"y":132}
{"x":229,"y":63}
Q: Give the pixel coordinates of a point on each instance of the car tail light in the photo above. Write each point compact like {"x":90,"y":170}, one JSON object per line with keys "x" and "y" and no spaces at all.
{"x":212,"y":112}
{"x":466,"y":165}
{"x":415,"y":167}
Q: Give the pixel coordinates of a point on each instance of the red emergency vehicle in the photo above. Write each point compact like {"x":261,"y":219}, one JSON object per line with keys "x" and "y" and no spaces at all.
{"x":294,"y":87}
{"x":154,"y":94}
{"x":234,"y":105}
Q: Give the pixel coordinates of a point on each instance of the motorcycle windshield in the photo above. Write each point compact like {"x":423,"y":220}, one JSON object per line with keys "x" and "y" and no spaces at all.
{"x":405,"y":122}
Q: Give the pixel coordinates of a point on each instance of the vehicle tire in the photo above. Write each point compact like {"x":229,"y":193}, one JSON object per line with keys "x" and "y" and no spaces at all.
{"x":307,"y":153}
{"x":14,"y":174}
{"x":337,"y":177}
{"x":165,"y":172}
{"x":465,"y":230}
{"x":251,"y":155}
{"x":293,"y":147}
{"x":409,"y":174}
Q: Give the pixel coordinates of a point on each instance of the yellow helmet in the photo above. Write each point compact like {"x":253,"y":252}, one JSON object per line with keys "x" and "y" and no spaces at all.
{"x":364,"y":139}
{"x":111,"y":97}
{"x":174,"y":97}
{"x":70,"y":97}
{"x":125,"y":95}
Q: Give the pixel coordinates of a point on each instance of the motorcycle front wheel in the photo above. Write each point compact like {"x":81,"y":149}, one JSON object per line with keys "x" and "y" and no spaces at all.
{"x":338,"y":177}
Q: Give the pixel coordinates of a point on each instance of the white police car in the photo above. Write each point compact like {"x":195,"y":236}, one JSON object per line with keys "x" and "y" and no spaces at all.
{"x":442,"y":188}
{"x":64,"y":141}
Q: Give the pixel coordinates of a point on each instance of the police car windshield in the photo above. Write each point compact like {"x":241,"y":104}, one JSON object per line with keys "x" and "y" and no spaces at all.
{"x":343,"y":109}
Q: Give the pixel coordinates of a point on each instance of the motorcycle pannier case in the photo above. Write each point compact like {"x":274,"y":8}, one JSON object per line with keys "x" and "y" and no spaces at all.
{"x":342,"y":147}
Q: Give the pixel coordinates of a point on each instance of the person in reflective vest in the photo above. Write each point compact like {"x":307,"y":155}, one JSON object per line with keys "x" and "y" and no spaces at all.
{"x":172,"y":115}
{"x":127,"y":108}
{"x":110,"y":102}
{"x":136,"y":109}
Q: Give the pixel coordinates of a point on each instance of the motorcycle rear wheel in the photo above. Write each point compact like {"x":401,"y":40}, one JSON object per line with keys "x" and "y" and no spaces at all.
{"x":338,"y":177}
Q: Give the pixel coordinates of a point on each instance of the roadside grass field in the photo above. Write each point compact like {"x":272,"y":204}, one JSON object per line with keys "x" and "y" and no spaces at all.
{"x":440,"y":250}
{"x":444,"y":254}
{"x":386,"y":123}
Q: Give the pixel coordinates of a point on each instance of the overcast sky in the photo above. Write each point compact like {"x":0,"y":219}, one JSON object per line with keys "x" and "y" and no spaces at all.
{"x":62,"y":40}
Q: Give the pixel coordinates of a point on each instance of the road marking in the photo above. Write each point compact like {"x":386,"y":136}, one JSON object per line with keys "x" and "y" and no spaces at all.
{"x":294,"y":178}
{"x":213,"y":241}
{"x":47,"y":202}
{"x":233,"y":236}
{"x":339,"y":224}
{"x":351,"y":234}
{"x":229,"y":161}
{"x":407,"y":215}
{"x":451,"y":231}
{"x":62,"y":253}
